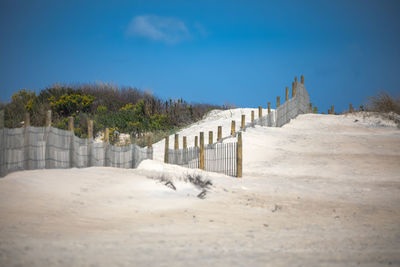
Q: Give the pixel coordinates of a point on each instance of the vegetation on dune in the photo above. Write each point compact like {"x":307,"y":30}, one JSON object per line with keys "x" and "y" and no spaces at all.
{"x":383,"y":102}
{"x":126,"y":110}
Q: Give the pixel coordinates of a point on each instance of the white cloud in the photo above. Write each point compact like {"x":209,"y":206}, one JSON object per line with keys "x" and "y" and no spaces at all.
{"x":165,"y":29}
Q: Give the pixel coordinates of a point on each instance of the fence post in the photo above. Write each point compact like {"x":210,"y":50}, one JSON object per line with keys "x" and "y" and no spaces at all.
{"x":269,"y":107}
{"x":90,"y":142}
{"x":302,"y":79}
{"x":48,"y":118}
{"x":219,"y":137}
{"x":3,"y":146}
{"x":329,"y":111}
{"x":293,"y":90}
{"x":71,"y":123}
{"x":239,"y":156}
{"x":287,"y":94}
{"x":243,"y":122}
{"x":27,"y":123}
{"x":252,"y":116}
{"x":259,"y":112}
{"x":1,"y":119}
{"x":107,"y":143}
{"x":295,"y":81}
{"x":310,"y":107}
{"x":27,"y":120}
{"x":210,"y":137}
{"x":184,"y":142}
{"x":196,"y":141}
{"x":46,"y":139}
{"x":233,"y":126}
{"x":201,"y":150}
{"x":71,"y":150}
{"x":90,"y":129}
{"x":333,"y":109}
{"x":351,"y":108}
{"x":149,"y":148}
{"x":315,"y":110}
{"x":166,"y":149}
{"x":107,"y":136}
{"x":278,"y":101}
{"x":176,"y":144}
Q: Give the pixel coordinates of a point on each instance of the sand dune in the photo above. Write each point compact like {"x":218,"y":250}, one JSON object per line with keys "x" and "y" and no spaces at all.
{"x":322,"y":190}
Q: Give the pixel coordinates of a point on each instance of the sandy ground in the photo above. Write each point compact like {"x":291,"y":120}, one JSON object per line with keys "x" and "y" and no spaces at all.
{"x":322,"y":190}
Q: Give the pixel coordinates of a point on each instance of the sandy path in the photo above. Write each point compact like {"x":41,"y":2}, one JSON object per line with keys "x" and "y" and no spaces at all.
{"x":323,"y":190}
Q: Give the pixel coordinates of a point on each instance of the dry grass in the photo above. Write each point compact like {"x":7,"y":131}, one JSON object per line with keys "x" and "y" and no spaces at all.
{"x":383,"y":102}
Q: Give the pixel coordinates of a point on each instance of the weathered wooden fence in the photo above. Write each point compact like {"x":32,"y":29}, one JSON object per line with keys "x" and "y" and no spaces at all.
{"x":31,"y":148}
{"x":227,"y":157}
{"x":218,"y":157}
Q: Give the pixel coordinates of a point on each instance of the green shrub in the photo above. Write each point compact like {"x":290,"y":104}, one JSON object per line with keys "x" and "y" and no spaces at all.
{"x":68,"y":104}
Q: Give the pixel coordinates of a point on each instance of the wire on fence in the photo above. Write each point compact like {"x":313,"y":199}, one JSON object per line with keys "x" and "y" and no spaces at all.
{"x":218,"y":157}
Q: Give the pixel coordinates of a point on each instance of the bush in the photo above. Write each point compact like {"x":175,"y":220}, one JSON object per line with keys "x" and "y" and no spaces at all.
{"x":128,"y":109}
{"x":69,"y":104}
{"x":384,"y":103}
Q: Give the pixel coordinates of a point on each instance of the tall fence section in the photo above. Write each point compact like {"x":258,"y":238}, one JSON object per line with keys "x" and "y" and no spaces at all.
{"x":227,"y":157}
{"x":30,"y":148}
{"x":215,"y":157}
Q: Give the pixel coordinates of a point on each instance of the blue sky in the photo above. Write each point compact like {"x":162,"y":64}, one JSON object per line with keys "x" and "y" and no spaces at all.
{"x":236,"y":52}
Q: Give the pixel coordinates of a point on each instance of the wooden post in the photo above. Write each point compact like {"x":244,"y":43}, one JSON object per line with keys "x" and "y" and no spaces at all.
{"x":3,"y":170}
{"x":196,"y":141}
{"x":293,"y":90}
{"x":107,"y":136}
{"x":351,"y":108}
{"x":239,"y":158}
{"x":90,"y":129}
{"x":278,"y":101}
{"x":287,"y":94}
{"x":210,"y":137}
{"x":333,"y":109}
{"x":219,"y":137}
{"x":201,"y":151}
{"x":90,"y":143}
{"x":315,"y":110}
{"x":106,"y":146}
{"x":149,"y":151}
{"x":295,"y":81}
{"x":184,"y":142}
{"x":233,"y":126}
{"x":329,"y":111}
{"x":302,"y":79}
{"x":1,"y":119}
{"x":27,"y":121}
{"x":71,"y":123}
{"x":71,"y":150}
{"x":176,"y":144}
{"x":310,"y":107}
{"x":259,"y":112}
{"x":27,"y":163}
{"x":166,"y":147}
{"x":48,"y":118}
{"x":252,"y":116}
{"x":243,"y":122}
{"x":269,"y":107}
